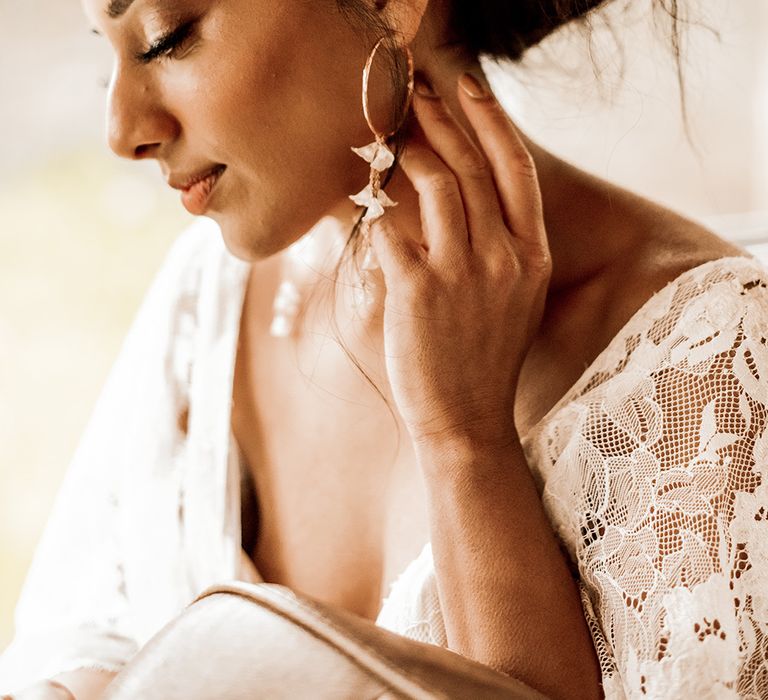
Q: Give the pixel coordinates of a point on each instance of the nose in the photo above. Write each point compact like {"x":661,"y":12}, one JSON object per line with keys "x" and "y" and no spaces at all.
{"x":138,"y":123}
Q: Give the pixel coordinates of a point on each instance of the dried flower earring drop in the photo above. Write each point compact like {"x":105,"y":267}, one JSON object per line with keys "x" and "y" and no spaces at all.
{"x":381,"y":159}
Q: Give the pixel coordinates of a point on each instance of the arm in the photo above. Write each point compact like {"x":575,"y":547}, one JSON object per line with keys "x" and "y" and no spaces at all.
{"x":498,"y":561}
{"x":462,"y":309}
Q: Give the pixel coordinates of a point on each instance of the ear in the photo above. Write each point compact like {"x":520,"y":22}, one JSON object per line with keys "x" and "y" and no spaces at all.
{"x":404,"y":16}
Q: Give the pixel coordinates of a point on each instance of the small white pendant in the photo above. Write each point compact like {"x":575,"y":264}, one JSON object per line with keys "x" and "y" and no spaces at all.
{"x":377,"y":154}
{"x":363,"y":297}
{"x":370,"y":260}
{"x":365,"y":198}
{"x":285,"y":308}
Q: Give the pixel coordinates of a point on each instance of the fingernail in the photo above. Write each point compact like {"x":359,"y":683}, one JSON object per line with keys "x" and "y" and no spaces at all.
{"x":471,"y":85}
{"x":423,"y":87}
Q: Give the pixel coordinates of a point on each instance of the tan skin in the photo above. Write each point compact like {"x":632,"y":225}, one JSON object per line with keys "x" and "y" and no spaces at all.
{"x":238,"y":93}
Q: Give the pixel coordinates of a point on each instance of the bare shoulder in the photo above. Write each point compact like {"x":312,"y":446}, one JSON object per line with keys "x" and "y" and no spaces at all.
{"x":676,"y":244}
{"x":660,"y":246}
{"x":669,"y":247}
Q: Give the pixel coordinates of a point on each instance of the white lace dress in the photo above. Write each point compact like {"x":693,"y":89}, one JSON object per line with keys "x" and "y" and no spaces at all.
{"x":651,"y":469}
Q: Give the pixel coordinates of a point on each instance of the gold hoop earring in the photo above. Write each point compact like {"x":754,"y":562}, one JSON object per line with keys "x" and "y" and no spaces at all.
{"x":381,"y":158}
{"x":288,"y":299}
{"x":381,"y":138}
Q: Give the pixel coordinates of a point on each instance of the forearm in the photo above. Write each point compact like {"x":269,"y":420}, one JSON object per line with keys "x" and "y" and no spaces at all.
{"x":508,"y":598}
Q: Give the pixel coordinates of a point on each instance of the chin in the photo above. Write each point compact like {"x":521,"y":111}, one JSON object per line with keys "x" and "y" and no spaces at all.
{"x":253,"y":242}
{"x":238,"y":240}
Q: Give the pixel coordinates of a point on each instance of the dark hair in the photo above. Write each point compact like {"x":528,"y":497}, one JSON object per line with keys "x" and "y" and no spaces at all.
{"x":499,"y":30}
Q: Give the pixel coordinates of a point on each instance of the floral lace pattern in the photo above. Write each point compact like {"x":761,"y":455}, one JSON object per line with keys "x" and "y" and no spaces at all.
{"x":654,"y":478}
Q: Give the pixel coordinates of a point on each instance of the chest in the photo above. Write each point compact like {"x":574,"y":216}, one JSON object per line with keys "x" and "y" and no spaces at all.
{"x":342,"y":507}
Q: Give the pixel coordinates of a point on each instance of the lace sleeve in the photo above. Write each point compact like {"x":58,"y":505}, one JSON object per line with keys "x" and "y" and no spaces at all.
{"x":672,"y":506}
{"x":73,"y":610}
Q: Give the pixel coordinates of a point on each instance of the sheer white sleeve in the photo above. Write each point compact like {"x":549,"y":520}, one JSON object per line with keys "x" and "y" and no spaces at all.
{"x":660,"y":486}
{"x":73,"y":611}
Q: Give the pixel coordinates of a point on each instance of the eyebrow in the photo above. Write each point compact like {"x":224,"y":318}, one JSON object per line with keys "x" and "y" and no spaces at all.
{"x":118,"y":7}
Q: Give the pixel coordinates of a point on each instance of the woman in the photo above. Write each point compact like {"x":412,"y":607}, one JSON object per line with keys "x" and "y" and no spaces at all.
{"x":576,"y":370}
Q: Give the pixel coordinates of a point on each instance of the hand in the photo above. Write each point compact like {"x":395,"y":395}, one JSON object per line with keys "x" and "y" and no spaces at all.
{"x":43,"y":690}
{"x":460,"y":316}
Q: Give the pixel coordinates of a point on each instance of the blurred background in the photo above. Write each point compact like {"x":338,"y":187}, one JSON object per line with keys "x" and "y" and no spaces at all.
{"x":82,"y":233}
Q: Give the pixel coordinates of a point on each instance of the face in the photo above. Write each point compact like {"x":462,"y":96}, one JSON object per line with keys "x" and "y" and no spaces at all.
{"x":263,"y":96}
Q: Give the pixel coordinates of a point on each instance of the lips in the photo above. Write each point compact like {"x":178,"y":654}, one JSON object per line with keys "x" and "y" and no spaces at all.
{"x":196,"y":190}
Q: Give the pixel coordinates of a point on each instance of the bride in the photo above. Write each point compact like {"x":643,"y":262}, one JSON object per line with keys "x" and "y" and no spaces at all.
{"x":561,"y":474}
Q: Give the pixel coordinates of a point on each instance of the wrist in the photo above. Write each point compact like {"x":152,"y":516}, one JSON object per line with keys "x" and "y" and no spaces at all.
{"x":462,"y":454}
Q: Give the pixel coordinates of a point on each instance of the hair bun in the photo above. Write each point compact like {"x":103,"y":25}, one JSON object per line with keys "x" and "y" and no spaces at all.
{"x":504,"y":29}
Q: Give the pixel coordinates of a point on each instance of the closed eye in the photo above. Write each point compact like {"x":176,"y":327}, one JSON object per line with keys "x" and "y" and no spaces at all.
{"x":168,"y":44}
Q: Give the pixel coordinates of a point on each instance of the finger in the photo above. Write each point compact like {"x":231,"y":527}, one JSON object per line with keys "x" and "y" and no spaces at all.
{"x":398,"y":256}
{"x":469,"y":165}
{"x":441,"y":209}
{"x":513,"y":167}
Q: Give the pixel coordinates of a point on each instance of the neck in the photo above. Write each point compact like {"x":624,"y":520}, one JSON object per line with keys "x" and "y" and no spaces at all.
{"x":584,"y":218}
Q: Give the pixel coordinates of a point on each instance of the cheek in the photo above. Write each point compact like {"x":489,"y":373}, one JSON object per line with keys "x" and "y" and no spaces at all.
{"x":302,"y":110}
{"x":284,"y":114}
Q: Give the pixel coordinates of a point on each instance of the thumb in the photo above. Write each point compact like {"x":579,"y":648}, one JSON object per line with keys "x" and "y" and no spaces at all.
{"x":397,"y":254}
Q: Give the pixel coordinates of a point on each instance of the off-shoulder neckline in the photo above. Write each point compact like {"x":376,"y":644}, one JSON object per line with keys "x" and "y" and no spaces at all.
{"x":631,"y":323}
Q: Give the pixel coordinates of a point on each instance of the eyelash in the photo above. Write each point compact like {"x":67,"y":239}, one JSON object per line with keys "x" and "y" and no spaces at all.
{"x":164,"y":47}
{"x":167,"y":44}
